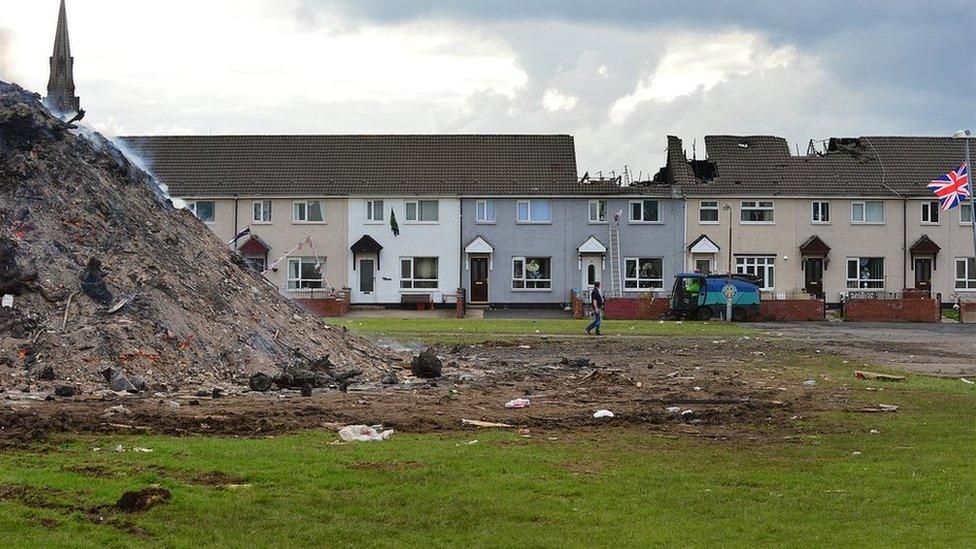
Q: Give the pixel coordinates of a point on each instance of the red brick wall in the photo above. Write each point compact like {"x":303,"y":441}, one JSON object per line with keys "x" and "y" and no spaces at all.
{"x":327,"y":307}
{"x":632,"y":308}
{"x":892,"y":310}
{"x":577,"y":305}
{"x":967,"y":312}
{"x":791,"y":309}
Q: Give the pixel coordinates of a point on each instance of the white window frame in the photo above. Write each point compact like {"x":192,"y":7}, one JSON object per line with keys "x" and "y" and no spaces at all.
{"x":864,"y":212}
{"x":481,"y":211}
{"x":192,"y":206}
{"x":928,"y":208}
{"x":370,"y":207}
{"x":418,"y":209}
{"x":707,"y":206}
{"x":965,"y":208}
{"x":521,"y":284}
{"x":642,"y":221}
{"x":262,"y":217}
{"x":601,"y":209}
{"x":410,"y":284}
{"x":858,"y":282}
{"x":758,"y":206}
{"x":755,"y":263}
{"x":969,"y":282}
{"x":818,"y":208}
{"x":528,"y":205}
{"x":642,"y":284}
{"x":305,"y":206}
{"x":298,"y":283}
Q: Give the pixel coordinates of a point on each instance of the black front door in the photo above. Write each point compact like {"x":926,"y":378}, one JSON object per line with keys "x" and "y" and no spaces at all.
{"x":923,"y":274}
{"x":479,"y":279}
{"x":367,"y":278}
{"x":813,"y":276}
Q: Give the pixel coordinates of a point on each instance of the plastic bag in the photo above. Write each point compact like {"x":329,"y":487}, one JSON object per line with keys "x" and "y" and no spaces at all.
{"x":518,"y":403}
{"x":364,"y":433}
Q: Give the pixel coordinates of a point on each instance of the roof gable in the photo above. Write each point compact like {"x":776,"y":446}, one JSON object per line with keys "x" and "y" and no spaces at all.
{"x":479,"y":246}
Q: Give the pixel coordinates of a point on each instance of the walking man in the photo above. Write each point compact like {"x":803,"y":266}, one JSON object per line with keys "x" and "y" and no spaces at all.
{"x":596,"y":300}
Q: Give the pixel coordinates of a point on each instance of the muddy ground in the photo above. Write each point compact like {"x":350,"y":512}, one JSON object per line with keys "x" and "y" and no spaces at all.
{"x":747,"y":387}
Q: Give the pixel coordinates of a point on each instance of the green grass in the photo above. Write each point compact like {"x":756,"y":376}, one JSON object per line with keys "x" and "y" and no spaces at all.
{"x":449,"y":328}
{"x":911,"y":485}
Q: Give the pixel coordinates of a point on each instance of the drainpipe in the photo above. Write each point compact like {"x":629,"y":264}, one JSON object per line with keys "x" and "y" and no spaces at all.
{"x":904,"y":243}
{"x":235,"y":220}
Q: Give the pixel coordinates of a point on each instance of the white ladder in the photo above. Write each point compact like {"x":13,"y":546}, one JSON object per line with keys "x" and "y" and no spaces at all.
{"x":615,"y":275}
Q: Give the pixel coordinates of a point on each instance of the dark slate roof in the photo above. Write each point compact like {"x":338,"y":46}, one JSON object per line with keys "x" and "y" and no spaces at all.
{"x":850,"y":167}
{"x":360,"y":165}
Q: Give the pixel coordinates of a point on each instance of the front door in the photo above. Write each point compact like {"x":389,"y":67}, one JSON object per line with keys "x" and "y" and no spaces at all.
{"x":923,"y":274}
{"x":479,"y":280}
{"x":813,"y":276}
{"x":592,"y":272}
{"x":367,"y":276}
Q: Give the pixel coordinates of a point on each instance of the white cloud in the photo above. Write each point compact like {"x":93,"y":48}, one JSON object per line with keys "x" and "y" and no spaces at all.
{"x":694,"y":62}
{"x":554,"y":100}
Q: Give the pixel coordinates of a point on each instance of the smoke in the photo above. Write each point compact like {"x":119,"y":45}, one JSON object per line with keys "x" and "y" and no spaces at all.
{"x":6,"y":63}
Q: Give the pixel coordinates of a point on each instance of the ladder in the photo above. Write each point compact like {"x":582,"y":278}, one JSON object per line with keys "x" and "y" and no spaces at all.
{"x":616,"y":281}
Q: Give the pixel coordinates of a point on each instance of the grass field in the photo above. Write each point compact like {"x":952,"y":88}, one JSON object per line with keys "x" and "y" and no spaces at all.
{"x":838,"y":484}
{"x":448,"y":329}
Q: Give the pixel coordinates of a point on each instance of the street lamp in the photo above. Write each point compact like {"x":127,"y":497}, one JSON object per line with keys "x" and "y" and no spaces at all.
{"x":964,"y":135}
{"x":728,"y":271}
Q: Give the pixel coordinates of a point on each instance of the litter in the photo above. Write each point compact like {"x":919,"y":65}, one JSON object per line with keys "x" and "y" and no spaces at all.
{"x":119,"y":449}
{"x":810,"y":383}
{"x":363,"y":433}
{"x":880,"y":408}
{"x":603,"y":413}
{"x":966,"y":381}
{"x":142,"y":450}
{"x":8,"y":301}
{"x":861,"y":374}
{"x":518,"y":403}
{"x":674,"y":409}
{"x":479,"y":423}
{"x":524,"y":432}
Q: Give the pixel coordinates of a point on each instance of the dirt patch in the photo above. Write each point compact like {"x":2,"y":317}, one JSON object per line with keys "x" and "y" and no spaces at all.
{"x":140,"y":501}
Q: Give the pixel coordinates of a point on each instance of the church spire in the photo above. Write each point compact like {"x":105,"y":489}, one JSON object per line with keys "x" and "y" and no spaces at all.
{"x":61,"y":84}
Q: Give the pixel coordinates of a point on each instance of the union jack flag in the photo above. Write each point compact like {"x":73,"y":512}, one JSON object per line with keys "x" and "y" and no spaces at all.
{"x":952,"y":188}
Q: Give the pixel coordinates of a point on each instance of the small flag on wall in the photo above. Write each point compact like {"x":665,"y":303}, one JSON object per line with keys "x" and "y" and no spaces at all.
{"x":394,"y":226}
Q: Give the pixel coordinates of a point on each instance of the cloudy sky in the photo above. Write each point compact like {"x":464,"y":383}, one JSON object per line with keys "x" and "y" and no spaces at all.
{"x":620,"y":75}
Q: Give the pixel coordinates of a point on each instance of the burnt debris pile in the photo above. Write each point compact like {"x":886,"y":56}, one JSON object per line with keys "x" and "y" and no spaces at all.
{"x":100,"y":273}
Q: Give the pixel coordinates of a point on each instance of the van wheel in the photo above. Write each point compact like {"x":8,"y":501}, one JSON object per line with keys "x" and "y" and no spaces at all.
{"x":738,"y":314}
{"x":703,"y":313}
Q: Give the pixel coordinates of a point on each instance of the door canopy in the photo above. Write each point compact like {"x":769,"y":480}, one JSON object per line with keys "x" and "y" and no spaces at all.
{"x":366,"y":245}
{"x":703,"y":245}
{"x":479,"y":246}
{"x":591,"y":245}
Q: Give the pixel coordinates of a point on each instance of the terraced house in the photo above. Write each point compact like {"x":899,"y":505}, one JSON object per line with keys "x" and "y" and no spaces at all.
{"x":856,"y":216}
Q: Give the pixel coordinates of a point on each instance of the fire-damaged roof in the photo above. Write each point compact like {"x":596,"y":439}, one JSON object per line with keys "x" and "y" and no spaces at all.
{"x":877,"y":167}
{"x":362,"y":165}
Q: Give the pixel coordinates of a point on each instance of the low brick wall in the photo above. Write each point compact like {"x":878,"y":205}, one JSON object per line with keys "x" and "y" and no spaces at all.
{"x":804,"y":310}
{"x":576,"y":304}
{"x":326,"y":307}
{"x":913,"y":309}
{"x":967,"y":312}
{"x":635,"y":308}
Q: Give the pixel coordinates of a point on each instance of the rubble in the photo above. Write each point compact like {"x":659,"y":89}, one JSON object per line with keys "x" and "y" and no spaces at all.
{"x":108,"y":274}
{"x":426,"y":365}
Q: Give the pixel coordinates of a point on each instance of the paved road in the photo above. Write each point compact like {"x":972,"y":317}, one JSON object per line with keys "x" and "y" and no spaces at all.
{"x":944,"y":349}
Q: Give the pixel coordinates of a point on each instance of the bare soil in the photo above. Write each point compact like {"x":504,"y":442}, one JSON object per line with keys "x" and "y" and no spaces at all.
{"x":743,"y":387}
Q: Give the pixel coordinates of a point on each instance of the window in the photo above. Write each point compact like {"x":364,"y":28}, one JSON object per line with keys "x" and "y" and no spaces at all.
{"x":965,"y":273}
{"x":865,"y":272}
{"x":533,"y":211}
{"x":756,"y":212}
{"x":308,"y":211}
{"x":643,"y":273}
{"x":820,"y":212}
{"x":761,"y":266}
{"x":422,"y":211}
{"x":867,"y":212}
{"x":261,"y":211}
{"x":305,"y":273}
{"x":256,"y":262}
{"x":930,"y":212}
{"x":708,"y":212}
{"x":598,"y":211}
{"x":531,"y":273}
{"x":374,"y":211}
{"x":418,"y":273}
{"x":645,"y":211}
{"x":205,"y":210}
{"x":703,"y":266}
{"x":485,"y":211}
{"x":966,"y":213}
